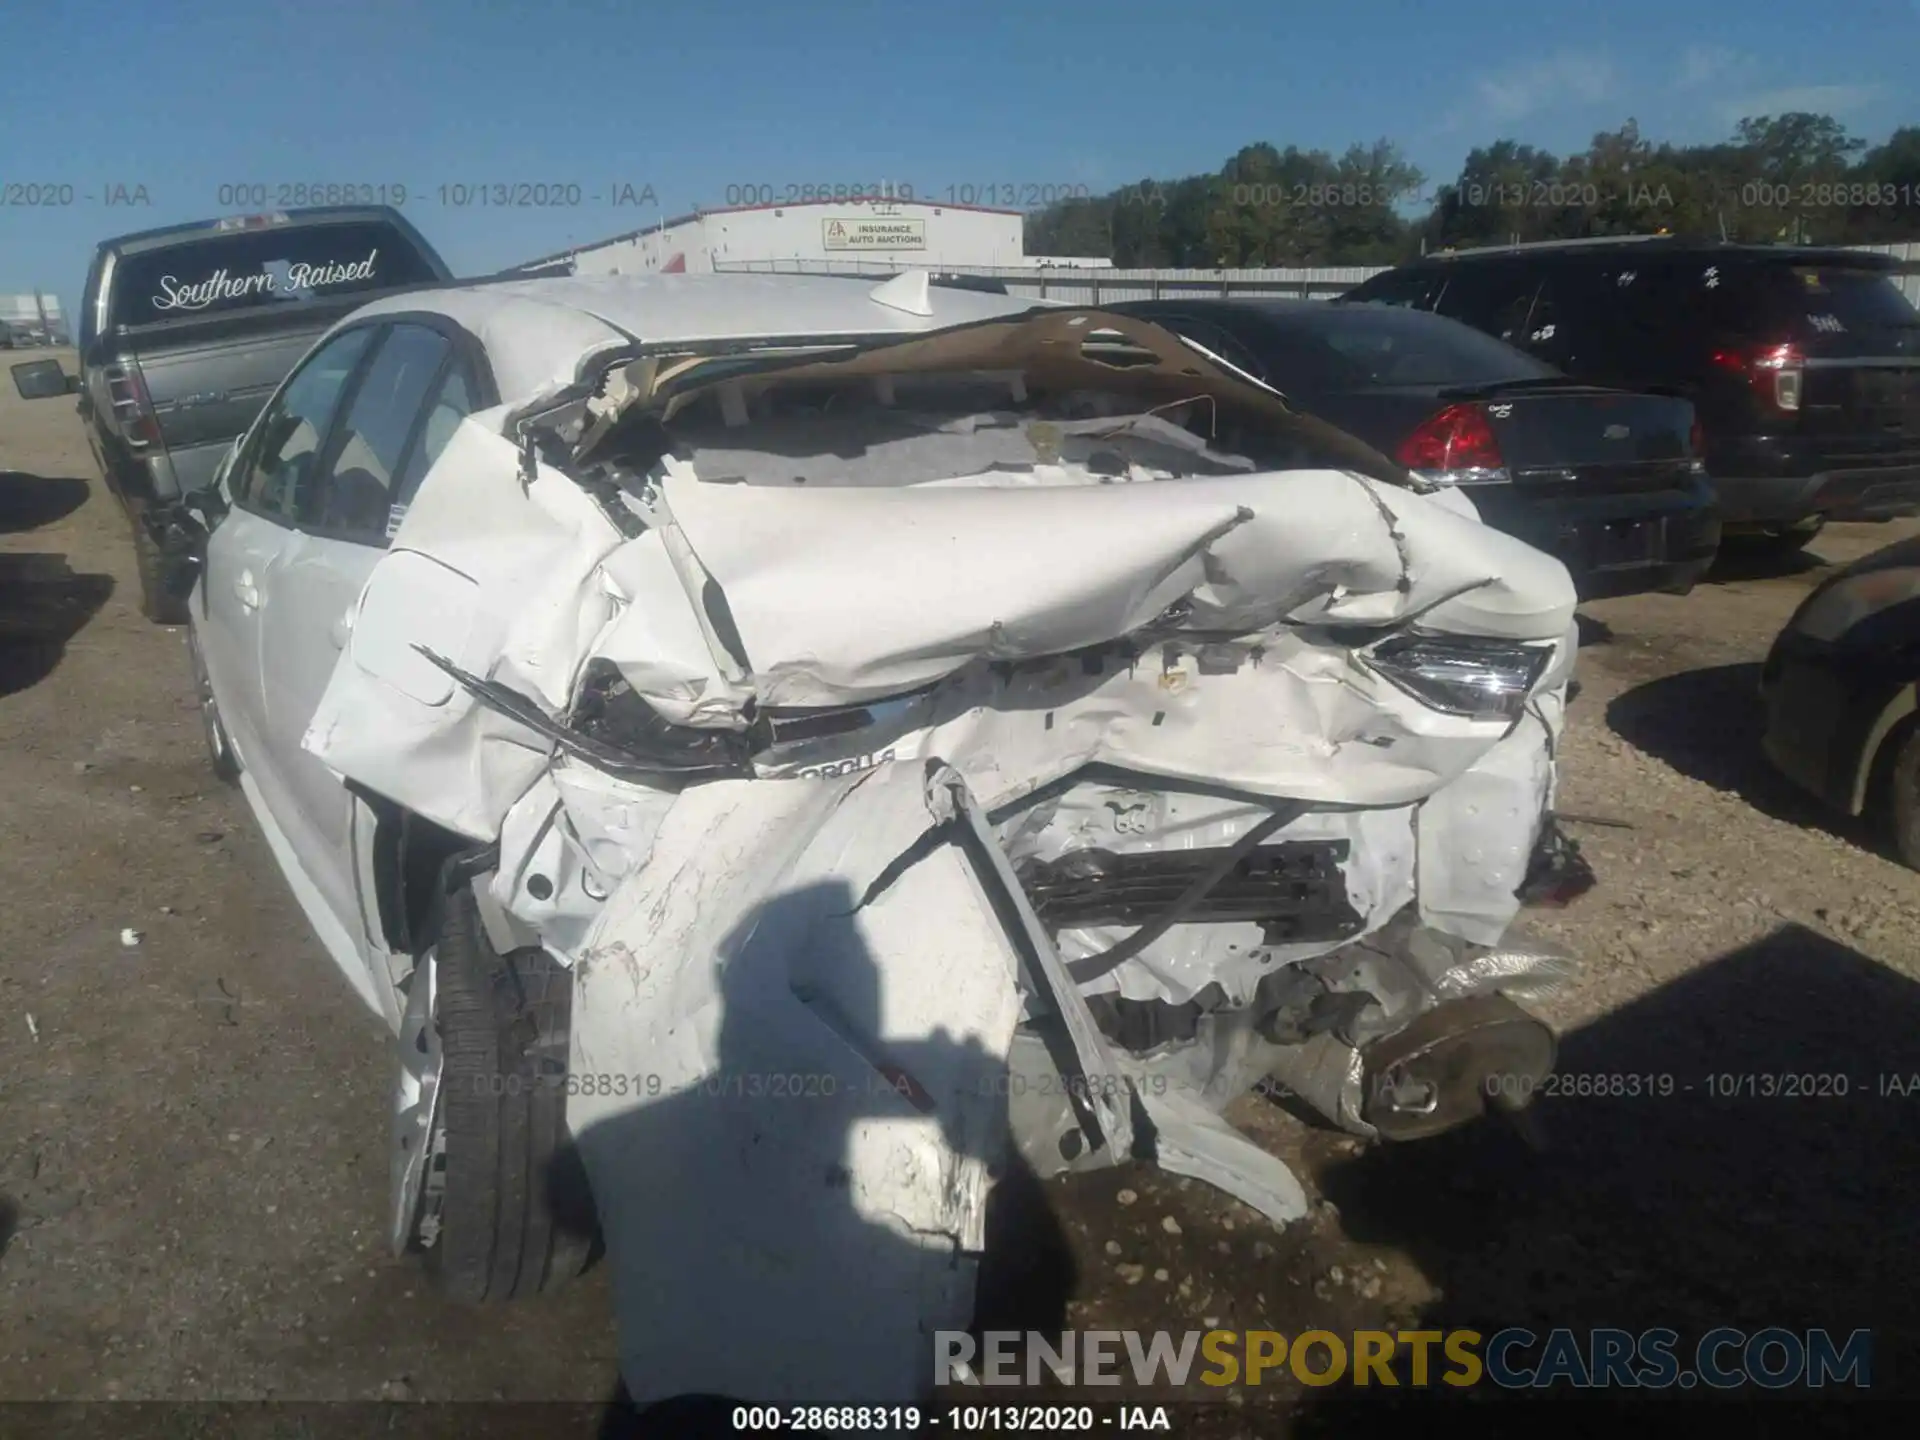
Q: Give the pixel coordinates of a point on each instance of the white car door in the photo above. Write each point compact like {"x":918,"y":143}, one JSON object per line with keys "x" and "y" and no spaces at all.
{"x":263,"y":485}
{"x":313,"y":586}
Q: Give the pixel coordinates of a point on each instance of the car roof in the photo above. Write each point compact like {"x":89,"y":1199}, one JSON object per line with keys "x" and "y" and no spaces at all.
{"x":1263,"y":304}
{"x":1666,"y":246}
{"x":537,"y":331}
{"x":1280,"y":310}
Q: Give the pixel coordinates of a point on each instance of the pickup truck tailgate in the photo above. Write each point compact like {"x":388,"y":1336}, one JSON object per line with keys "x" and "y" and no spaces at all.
{"x":206,"y":390}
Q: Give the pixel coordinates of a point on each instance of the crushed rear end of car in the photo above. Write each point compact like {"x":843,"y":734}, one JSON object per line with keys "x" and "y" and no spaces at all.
{"x":932,"y":752}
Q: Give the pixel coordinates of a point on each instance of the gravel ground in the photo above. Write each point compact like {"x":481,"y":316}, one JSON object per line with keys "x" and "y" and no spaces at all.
{"x":192,"y":1146}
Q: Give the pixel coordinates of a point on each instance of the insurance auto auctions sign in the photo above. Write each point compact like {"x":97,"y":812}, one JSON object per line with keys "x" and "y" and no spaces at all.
{"x":868,"y":233}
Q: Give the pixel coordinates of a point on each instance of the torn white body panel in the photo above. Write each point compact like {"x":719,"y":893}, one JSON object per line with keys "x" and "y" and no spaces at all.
{"x":793,"y":1185}
{"x":963,"y":580}
{"x":503,"y":586}
{"x":1009,"y":572}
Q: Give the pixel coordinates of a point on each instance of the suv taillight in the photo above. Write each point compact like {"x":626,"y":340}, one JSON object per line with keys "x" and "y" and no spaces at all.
{"x":1454,"y":446}
{"x":1775,"y":372}
{"x":132,"y":408}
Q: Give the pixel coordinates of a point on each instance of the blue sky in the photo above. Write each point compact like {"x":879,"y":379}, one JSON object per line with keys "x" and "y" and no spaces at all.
{"x":186,"y":96}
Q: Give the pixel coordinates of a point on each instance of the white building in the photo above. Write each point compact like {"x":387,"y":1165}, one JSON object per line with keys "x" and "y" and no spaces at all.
{"x":815,"y":235}
{"x":33,"y":314}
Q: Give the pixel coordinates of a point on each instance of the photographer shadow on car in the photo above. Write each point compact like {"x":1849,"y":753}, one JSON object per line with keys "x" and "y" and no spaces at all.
{"x":744,"y":1219}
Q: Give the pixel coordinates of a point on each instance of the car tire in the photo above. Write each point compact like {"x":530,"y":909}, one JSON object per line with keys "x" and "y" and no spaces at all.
{"x":1902,"y":797}
{"x":510,"y":1210}
{"x":156,"y":603}
{"x":220,"y":757}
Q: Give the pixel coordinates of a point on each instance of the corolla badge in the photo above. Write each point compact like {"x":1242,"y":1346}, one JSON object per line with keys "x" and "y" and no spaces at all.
{"x":1616,"y":432}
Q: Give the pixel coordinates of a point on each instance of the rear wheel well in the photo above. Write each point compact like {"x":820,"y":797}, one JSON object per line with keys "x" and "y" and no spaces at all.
{"x":1876,"y":769}
{"x":409,"y":859}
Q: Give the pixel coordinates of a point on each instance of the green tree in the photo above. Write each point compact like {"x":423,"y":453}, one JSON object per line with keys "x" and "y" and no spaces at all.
{"x":1797,"y":176}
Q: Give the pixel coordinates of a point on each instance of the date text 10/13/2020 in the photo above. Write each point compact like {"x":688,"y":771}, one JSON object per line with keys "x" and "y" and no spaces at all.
{"x":1570,"y":1085}
{"x":1725,"y":1085}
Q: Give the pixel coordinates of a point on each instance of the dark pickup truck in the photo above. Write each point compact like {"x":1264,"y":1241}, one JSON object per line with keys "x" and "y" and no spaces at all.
{"x":185,"y":332}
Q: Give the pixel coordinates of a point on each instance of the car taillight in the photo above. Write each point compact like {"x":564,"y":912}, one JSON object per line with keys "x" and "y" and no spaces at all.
{"x":1774,"y":371}
{"x":132,"y":408}
{"x":1454,"y":446}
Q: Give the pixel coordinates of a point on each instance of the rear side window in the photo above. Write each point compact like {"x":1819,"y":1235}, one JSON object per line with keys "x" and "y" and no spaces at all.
{"x":284,"y":446}
{"x":357,"y":489}
{"x":1575,"y":319}
{"x":1493,"y":298}
{"x":1219,"y":341}
{"x":213,"y":273}
{"x":1411,"y":289}
{"x":452,"y":405}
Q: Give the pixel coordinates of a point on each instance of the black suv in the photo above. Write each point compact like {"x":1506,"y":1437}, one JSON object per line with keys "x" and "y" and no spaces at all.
{"x":1803,"y":364}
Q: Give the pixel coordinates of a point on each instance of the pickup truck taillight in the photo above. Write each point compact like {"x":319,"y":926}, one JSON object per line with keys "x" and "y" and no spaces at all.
{"x":132,"y":408}
{"x":1774,"y":371}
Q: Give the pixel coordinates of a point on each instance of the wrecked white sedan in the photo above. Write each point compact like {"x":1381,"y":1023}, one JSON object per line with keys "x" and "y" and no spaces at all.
{"x":779,"y":751}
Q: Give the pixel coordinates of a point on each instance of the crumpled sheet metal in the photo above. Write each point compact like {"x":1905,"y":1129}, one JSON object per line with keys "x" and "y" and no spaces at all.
{"x":785,"y":1219}
{"x":1476,"y":835}
{"x":522,"y":584}
{"x":1294,"y":718}
{"x":498,"y":578}
{"x":1379,"y":875}
{"x":964,"y":573}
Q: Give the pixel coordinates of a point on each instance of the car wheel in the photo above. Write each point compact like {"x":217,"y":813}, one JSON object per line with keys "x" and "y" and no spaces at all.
{"x":220,"y":756}
{"x":484,"y":1179}
{"x":1903,"y":798}
{"x":159,"y":606}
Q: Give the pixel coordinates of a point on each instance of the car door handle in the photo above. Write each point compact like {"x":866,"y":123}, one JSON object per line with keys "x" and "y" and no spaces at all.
{"x":245,"y":592}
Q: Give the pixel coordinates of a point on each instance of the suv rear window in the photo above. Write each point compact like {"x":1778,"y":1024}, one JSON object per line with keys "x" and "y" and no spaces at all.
{"x":214,"y":273}
{"x":1347,"y":345}
{"x":1812,"y":300}
{"x":1829,"y":309}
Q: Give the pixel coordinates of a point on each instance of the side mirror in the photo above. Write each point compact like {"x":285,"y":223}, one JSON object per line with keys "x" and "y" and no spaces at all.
{"x":43,"y":379}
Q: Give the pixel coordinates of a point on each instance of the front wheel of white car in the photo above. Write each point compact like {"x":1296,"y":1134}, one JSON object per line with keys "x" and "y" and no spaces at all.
{"x":486,"y":1184}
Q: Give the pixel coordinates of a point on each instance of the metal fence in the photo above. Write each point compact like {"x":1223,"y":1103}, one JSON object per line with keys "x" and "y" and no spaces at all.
{"x":1094,"y":286}
{"x":1909,"y":252}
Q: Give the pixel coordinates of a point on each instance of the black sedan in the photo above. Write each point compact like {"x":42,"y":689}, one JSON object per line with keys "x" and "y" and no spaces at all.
{"x":1841,"y":686}
{"x":1609,"y":481}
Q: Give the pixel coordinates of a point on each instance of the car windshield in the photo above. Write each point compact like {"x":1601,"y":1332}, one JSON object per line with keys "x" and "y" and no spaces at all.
{"x":214,"y":273}
{"x":1347,"y":345}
